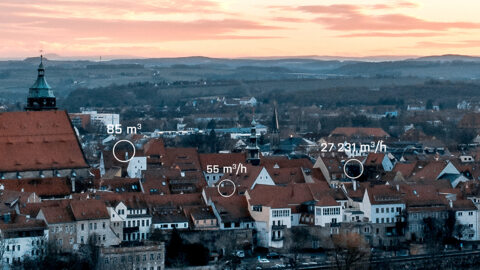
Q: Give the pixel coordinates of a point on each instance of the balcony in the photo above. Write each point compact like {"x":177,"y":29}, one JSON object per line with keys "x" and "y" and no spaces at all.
{"x":278,"y":227}
{"x":276,"y":238}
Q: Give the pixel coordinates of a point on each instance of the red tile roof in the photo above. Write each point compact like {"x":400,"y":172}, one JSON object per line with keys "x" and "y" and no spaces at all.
{"x":270,"y":162}
{"x":383,"y":194}
{"x":41,"y":140}
{"x":57,"y":214}
{"x":359,"y":131}
{"x":21,"y":223}
{"x":285,"y":176}
{"x":221,"y":160}
{"x":464,"y":205}
{"x":43,"y":187}
{"x":291,"y":195}
{"x":470,"y":120}
{"x":155,"y":150}
{"x":405,"y":168}
{"x":89,"y":209}
{"x":186,"y":158}
{"x":374,"y":159}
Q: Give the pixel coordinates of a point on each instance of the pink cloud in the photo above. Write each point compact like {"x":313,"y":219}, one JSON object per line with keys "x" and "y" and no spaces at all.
{"x":358,"y":21}
{"x":387,"y":34}
{"x":347,"y":17}
{"x":289,"y":19}
{"x":127,"y":31}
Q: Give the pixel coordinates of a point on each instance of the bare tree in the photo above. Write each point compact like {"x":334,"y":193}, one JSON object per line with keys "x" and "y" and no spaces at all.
{"x":3,"y":244}
{"x":350,"y":250}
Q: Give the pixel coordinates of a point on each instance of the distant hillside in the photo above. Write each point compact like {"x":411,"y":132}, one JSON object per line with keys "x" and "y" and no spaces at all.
{"x":449,"y":58}
{"x":66,"y":75}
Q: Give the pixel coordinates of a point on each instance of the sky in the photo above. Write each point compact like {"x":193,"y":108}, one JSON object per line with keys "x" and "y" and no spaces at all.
{"x":238,"y":28}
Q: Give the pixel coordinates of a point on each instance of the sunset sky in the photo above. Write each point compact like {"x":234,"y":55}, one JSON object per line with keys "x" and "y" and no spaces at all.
{"x":238,"y":28}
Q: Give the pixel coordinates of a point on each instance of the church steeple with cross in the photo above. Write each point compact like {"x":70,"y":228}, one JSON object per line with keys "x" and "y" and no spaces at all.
{"x":40,"y":96}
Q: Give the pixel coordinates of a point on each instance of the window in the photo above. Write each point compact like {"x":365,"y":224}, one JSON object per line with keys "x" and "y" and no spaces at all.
{"x":257,"y":208}
{"x":377,"y":210}
{"x":148,"y":222}
{"x":470,"y":213}
{"x":377,"y":221}
{"x":459,"y":214}
{"x":95,"y":226}
{"x":143,"y":223}
{"x":152,"y":257}
{"x":383,"y":220}
{"x":103,"y":225}
{"x":388,"y":210}
{"x":383,"y":210}
{"x":144,"y":257}
{"x":399,"y":209}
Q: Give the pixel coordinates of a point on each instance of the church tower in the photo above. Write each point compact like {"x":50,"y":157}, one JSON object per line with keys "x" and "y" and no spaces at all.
{"x":275,"y":134}
{"x":253,"y":151}
{"x":40,"y":95}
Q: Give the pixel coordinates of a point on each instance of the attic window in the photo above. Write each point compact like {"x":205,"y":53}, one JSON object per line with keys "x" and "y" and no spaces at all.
{"x":257,"y":208}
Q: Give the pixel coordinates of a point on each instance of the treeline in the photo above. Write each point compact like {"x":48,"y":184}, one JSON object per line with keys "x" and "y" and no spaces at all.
{"x":444,"y":93}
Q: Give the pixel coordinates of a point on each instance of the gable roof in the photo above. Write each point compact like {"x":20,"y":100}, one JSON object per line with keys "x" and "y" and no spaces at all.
{"x":244,"y":181}
{"x":38,"y":140}
{"x":43,"y":187}
{"x":185,"y":158}
{"x":291,"y":195}
{"x":359,"y":131}
{"x":221,"y":160}
{"x":384,"y":194}
{"x":57,"y":214}
{"x":374,"y":159}
{"x":89,"y":209}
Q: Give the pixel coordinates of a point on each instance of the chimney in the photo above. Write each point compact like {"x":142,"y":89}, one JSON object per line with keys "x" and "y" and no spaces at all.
{"x":73,"y":184}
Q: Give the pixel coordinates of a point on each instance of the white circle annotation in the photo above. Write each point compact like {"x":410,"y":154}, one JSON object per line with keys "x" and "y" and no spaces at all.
{"x":345,"y":168}
{"x":234,"y":188}
{"x":115,"y":156}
